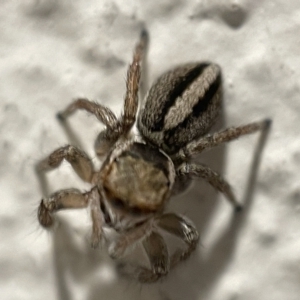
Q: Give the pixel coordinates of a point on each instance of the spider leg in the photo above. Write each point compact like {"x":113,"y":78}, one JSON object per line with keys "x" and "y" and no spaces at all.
{"x":94,"y":198}
{"x":156,"y":249}
{"x":183,"y":229}
{"x":128,"y":239}
{"x":115,"y":128}
{"x":157,"y":253}
{"x":215,"y":179}
{"x":72,"y":199}
{"x":78,"y":159}
{"x":68,"y":198}
{"x":107,"y":137}
{"x":144,"y":81}
{"x":213,"y":140}
{"x":132,"y":84}
{"x":102,"y":113}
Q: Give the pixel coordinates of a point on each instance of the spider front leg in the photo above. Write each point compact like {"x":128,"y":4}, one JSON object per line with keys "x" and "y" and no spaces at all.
{"x":70,"y":199}
{"x":157,"y":253}
{"x":156,"y":249}
{"x":182,"y":228}
{"x":161,"y":261}
{"x":73,"y":199}
{"x":128,"y":239}
{"x":64,"y":199}
{"x":78,"y":159}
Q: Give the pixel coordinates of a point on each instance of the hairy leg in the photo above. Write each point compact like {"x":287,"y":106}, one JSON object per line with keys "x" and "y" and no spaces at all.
{"x":64,"y":199}
{"x":78,"y":159}
{"x":144,"y":81}
{"x":156,"y":248}
{"x":128,"y":239}
{"x":102,"y":113}
{"x":72,"y":199}
{"x":157,"y":253}
{"x":132,"y":84}
{"x":215,"y":179}
{"x":213,"y":140}
{"x":183,"y":229}
{"x":108,"y":136}
{"x":115,"y":128}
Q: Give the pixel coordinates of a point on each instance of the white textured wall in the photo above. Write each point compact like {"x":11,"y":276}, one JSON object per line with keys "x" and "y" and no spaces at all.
{"x":52,"y":51}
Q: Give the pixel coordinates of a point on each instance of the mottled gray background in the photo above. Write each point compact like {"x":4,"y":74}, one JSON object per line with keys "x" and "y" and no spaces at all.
{"x":54,"y":50}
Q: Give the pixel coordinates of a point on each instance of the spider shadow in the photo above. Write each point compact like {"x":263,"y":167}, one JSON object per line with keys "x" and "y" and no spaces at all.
{"x":76,"y":264}
{"x":197,"y":279}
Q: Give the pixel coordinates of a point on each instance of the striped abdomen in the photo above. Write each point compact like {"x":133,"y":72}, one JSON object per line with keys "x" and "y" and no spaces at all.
{"x":181,"y":105}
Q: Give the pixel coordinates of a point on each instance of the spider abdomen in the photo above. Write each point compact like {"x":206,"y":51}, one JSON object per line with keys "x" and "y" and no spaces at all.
{"x":181,"y":105}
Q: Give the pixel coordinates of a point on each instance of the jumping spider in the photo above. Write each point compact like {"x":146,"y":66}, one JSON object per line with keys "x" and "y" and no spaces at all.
{"x":138,"y":176}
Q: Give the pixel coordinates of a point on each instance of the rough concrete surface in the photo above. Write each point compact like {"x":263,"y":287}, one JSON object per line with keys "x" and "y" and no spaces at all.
{"x":52,"y":51}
